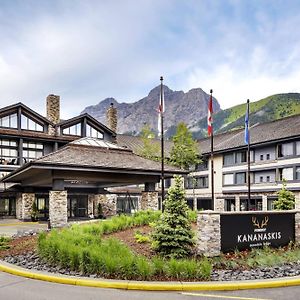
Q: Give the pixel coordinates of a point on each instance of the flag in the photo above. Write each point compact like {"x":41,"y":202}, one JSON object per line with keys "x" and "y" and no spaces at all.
{"x":247,"y":124}
{"x":161,"y":110}
{"x":209,"y":116}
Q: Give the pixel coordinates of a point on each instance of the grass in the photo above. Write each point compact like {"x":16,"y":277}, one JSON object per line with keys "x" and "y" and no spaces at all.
{"x":4,"y":241}
{"x":82,"y":248}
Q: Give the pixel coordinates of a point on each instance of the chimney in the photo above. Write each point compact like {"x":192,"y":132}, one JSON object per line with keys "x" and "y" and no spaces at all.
{"x":112,"y":118}
{"x":53,"y":111}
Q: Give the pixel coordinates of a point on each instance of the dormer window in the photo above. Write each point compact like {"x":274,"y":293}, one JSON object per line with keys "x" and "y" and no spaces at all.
{"x":29,"y":124}
{"x":92,"y":132}
{"x":10,"y":121}
{"x":73,"y":130}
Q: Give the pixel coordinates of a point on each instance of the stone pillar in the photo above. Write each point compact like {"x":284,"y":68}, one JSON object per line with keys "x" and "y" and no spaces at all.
{"x":297,"y":200}
{"x":264,"y":202}
{"x":90,"y":209}
{"x":237,"y":203}
{"x":149,"y":200}
{"x":19,"y":206}
{"x":297,"y":228}
{"x":108,"y":203}
{"x":112,"y":119}
{"x":208,"y":234}
{"x":58,"y":208}
{"x":27,"y":202}
{"x":219,"y":204}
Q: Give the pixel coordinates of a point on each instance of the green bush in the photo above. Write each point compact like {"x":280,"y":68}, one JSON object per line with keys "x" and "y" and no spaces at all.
{"x":173,"y":235}
{"x":286,"y":199}
{"x":4,"y":243}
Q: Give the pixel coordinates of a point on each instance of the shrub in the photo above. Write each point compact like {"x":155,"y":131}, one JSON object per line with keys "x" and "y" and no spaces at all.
{"x":141,"y":238}
{"x":173,"y":235}
{"x":4,"y":243}
{"x":286,"y":199}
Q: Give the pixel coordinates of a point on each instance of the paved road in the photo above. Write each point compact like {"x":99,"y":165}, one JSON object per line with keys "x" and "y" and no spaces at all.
{"x":19,"y":288}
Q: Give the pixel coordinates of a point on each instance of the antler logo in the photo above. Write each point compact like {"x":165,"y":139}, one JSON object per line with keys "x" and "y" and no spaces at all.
{"x":259,"y":225}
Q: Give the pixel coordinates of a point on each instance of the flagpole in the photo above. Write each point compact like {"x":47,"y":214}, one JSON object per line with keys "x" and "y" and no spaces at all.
{"x":212,"y":161}
{"x":248,"y":155}
{"x":162,"y":146}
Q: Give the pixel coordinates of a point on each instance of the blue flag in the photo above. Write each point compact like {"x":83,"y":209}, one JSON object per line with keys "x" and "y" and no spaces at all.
{"x":247,"y":124}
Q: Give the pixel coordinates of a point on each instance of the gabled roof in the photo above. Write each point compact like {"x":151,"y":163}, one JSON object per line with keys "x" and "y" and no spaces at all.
{"x":88,"y":117}
{"x":274,"y":131}
{"x":26,"y":109}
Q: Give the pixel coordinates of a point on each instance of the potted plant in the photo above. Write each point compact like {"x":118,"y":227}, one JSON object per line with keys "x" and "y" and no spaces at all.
{"x":34,"y":212}
{"x":100,"y":211}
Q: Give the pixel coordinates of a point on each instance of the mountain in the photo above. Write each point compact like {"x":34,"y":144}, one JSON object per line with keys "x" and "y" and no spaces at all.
{"x":265,"y":110}
{"x":187,"y":107}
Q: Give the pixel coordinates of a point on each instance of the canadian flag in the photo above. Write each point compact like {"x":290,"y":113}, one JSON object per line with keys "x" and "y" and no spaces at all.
{"x":209,"y":115}
{"x":161,"y":110}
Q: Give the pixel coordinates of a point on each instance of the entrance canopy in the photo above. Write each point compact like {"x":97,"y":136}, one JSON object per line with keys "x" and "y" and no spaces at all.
{"x":90,"y":163}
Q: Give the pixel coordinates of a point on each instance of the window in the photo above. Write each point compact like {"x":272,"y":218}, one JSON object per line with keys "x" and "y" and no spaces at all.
{"x":241,"y":157}
{"x":190,"y":203}
{"x":268,"y":178}
{"x":261,"y":157}
{"x":298,"y":173}
{"x":287,"y":174}
{"x":92,"y":132}
{"x":8,"y":152}
{"x":203,"y":203}
{"x":168,"y":182}
{"x":229,"y":204}
{"x":268,"y":156}
{"x":297,"y":148}
{"x":73,"y":130}
{"x":285,"y":149}
{"x":9,"y":121}
{"x":240,"y":178}
{"x":228,"y":179}
{"x":32,"y":150}
{"x":203,"y":166}
{"x":29,"y":124}
{"x":261,"y":179}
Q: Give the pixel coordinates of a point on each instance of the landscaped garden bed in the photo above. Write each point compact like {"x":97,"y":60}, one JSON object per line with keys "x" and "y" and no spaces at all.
{"x":116,"y":248}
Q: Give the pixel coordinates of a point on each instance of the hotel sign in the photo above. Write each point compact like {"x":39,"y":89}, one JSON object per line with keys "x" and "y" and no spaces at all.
{"x":246,"y":231}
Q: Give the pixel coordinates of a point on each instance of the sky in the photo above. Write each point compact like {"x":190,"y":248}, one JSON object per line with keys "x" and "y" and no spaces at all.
{"x":86,"y":51}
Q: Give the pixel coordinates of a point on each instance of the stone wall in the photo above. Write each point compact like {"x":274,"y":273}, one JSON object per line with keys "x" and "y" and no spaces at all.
{"x":19,"y":206}
{"x":149,"y":200}
{"x":53,"y":108}
{"x":90,"y":209}
{"x":297,"y":228}
{"x":219,"y":204}
{"x":27,"y":200}
{"x":58,"y":210}
{"x":208,"y":234}
{"x":108,"y":203}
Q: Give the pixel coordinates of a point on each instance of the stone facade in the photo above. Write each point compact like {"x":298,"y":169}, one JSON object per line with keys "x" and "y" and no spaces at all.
{"x":58,"y":209}
{"x":149,"y":200}
{"x":112,"y":118}
{"x":19,"y":206}
{"x":90,"y":208}
{"x":208,"y":234}
{"x":219,"y":204}
{"x":27,"y":200}
{"x":297,"y":228}
{"x":108,"y":203}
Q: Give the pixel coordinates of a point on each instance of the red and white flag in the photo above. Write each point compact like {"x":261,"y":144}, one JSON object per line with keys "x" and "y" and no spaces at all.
{"x":161,"y":110}
{"x":209,"y":116}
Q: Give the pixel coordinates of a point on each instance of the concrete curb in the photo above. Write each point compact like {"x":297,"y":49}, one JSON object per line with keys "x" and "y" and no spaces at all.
{"x":150,"y":286}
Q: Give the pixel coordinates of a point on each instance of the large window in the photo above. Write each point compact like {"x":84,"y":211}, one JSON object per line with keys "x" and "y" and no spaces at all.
{"x":29,"y":124}
{"x":8,"y":152}
{"x":32,"y":150}
{"x":241,"y":157}
{"x":287,"y":174}
{"x":92,"y":132}
{"x":297,"y":148}
{"x":228,"y":179}
{"x":9,"y":121}
{"x":240,"y":178}
{"x":73,"y":130}
{"x":297,"y":173}
{"x":286,"y":149}
{"x":203,"y":166}
{"x":198,"y":182}
{"x":228,"y":159}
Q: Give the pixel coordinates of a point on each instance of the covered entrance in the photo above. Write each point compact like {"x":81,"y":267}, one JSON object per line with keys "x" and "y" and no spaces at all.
{"x":88,"y":166}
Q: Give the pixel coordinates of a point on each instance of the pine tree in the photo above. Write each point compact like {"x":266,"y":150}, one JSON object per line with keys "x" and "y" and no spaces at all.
{"x":173,"y":235}
{"x":286,"y":199}
{"x":151,"y":148}
{"x":184,"y":152}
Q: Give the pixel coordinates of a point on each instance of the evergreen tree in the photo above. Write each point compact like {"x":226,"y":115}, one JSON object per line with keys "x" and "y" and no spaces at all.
{"x":151,"y":148}
{"x":173,"y":235}
{"x":286,"y":199}
{"x":184,"y":152}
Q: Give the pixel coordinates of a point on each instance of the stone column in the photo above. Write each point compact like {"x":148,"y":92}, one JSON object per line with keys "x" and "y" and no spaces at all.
{"x":208,"y":234}
{"x":108,"y":203}
{"x":219,"y":204}
{"x":27,"y":202}
{"x":90,"y":209}
{"x":19,"y":206}
{"x":149,"y":199}
{"x":297,"y":228}
{"x":264,"y":202}
{"x":297,"y":200}
{"x":58,"y":208}
{"x":237,"y":203}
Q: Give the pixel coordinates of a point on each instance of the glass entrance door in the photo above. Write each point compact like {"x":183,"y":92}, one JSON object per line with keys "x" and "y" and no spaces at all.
{"x":77,"y":206}
{"x":7,"y":206}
